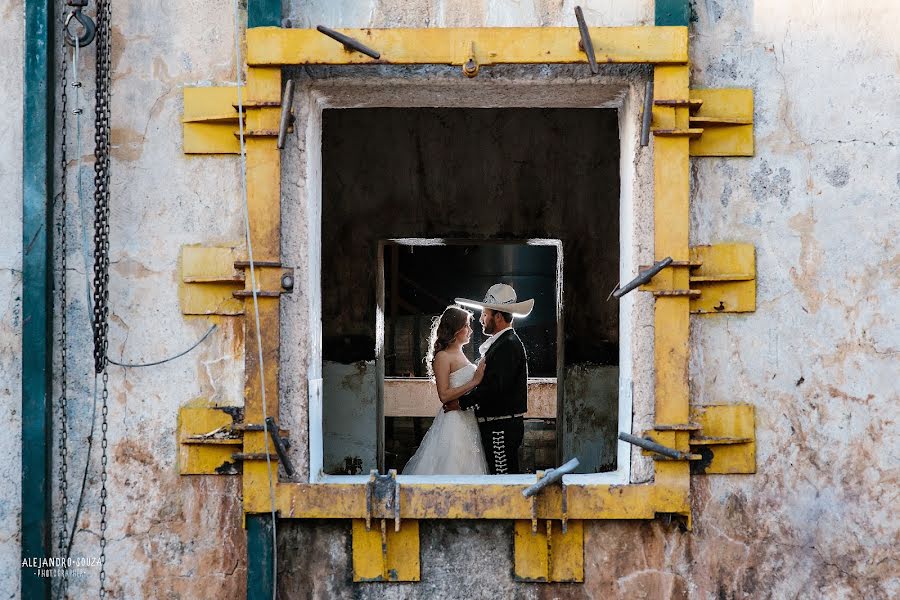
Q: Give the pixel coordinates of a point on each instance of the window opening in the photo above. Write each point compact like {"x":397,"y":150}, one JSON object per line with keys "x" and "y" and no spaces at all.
{"x":422,"y":278}
{"x":486,"y":176}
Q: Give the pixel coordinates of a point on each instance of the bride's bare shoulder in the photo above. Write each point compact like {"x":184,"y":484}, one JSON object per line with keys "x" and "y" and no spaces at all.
{"x":441,"y":358}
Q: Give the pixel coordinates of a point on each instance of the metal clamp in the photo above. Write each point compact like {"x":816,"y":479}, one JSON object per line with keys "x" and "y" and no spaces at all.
{"x":348,"y":42}
{"x":385,"y":490}
{"x":545,"y":478}
{"x":90,"y":29}
{"x":648,"y":444}
{"x":642,"y":278}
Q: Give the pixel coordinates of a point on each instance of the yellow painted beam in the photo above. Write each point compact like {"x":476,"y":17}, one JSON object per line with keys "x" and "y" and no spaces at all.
{"x":209,"y":120}
{"x":261,"y":94}
{"x":492,"y":501}
{"x":671,"y":171}
{"x":491,"y":45}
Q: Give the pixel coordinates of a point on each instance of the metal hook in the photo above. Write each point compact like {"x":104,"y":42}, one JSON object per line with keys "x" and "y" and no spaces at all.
{"x":90,"y":30}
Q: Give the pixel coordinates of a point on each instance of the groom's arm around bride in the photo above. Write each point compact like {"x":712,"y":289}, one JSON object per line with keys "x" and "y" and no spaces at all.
{"x":503,"y":389}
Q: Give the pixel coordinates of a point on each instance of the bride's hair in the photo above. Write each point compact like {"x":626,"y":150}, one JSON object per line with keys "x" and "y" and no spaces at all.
{"x":443,"y":329}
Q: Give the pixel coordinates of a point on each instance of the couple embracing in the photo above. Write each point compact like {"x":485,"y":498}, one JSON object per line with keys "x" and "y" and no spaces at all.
{"x":480,"y":428}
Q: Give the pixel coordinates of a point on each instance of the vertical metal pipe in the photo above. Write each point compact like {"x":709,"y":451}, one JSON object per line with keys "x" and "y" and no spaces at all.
{"x":37,"y":304}
{"x":263,"y":13}
{"x":260,"y":581}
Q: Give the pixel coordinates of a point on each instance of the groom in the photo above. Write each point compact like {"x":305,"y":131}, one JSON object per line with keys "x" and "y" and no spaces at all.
{"x":501,"y":399}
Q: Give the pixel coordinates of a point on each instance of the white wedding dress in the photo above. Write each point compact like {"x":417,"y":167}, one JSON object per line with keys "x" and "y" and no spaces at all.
{"x":452,"y":445}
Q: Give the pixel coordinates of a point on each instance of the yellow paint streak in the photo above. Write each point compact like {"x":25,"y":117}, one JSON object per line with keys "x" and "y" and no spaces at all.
{"x":497,"y":45}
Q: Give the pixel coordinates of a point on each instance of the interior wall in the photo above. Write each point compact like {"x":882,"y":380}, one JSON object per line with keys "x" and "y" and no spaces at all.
{"x":474,"y":174}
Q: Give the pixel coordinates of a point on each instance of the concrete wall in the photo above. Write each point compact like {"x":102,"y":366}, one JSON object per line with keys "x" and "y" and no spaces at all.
{"x":12,"y":28}
{"x":168,"y":536}
{"x":817,"y":359}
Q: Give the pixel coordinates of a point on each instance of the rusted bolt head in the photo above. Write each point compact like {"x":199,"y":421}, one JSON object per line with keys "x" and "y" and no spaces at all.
{"x":470,"y":69}
{"x":287,"y":281}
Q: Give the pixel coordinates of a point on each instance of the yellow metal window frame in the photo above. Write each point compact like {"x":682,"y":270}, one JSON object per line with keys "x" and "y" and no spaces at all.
{"x":268,"y":50}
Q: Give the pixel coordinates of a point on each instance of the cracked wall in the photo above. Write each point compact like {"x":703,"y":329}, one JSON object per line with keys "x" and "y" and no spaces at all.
{"x":11,"y":73}
{"x":817,"y":358}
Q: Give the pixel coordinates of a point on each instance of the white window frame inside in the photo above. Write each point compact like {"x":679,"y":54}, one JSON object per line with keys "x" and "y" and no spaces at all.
{"x":324,"y":96}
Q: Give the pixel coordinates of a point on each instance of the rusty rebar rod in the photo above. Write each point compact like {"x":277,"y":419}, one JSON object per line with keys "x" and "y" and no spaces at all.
{"x":654,"y":447}
{"x":279,"y":447}
{"x":586,"y":44}
{"x":643,"y":277}
{"x":648,"y":113}
{"x":550,"y":476}
{"x":348,"y":42}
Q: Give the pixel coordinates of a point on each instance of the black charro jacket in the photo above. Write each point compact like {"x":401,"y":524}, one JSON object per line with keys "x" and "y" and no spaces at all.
{"x":504,"y":388}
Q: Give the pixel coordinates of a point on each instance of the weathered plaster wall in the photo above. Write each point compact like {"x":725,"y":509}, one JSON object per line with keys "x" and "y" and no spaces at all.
{"x":168,"y":536}
{"x":817,"y":358}
{"x":11,"y":74}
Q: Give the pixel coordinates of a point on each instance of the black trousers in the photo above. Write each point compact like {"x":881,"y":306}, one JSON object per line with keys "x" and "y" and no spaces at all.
{"x":501,"y":440}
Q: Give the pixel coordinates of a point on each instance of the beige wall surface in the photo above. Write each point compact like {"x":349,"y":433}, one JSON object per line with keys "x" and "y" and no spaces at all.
{"x":817,"y":359}
{"x":11,"y":74}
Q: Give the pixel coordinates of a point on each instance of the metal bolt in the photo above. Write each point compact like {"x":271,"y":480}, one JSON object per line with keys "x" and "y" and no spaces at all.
{"x":287,"y":281}
{"x":470,"y":69}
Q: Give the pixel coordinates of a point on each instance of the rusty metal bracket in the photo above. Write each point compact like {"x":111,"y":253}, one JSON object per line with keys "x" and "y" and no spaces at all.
{"x":280,"y":446}
{"x":383,"y":498}
{"x":287,"y":118}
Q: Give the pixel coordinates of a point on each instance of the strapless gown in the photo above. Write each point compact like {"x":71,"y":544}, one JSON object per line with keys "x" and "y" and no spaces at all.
{"x":452,"y":445}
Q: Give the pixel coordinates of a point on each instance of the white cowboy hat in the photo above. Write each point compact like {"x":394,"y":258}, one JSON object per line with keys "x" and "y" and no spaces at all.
{"x":501,"y":297}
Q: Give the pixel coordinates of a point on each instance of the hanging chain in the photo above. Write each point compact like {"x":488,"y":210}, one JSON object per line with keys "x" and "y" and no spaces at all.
{"x":101,"y":188}
{"x":63,"y":329}
{"x":101,"y":251}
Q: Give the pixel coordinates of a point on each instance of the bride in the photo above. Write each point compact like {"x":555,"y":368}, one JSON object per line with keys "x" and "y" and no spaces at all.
{"x":452,"y":445}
